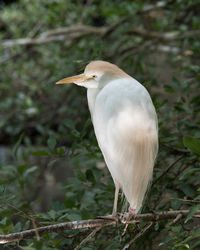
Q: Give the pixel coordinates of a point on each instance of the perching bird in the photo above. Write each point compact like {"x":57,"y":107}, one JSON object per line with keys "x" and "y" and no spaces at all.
{"x":125,"y":125}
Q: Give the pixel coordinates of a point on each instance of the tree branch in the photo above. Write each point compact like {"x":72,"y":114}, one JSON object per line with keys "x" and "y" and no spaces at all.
{"x":94,"y":223}
{"x":127,"y":246}
{"x":150,"y":7}
{"x":167,"y":169}
{"x":92,"y":234}
{"x":68,"y":34}
{"x":164,"y":36}
{"x":77,"y":31}
{"x":65,"y":33}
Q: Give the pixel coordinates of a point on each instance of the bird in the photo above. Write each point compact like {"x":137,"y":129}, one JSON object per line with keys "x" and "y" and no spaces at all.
{"x":125,"y":124}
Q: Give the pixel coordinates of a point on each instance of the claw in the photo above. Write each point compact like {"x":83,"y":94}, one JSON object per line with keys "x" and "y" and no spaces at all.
{"x":126,"y":217}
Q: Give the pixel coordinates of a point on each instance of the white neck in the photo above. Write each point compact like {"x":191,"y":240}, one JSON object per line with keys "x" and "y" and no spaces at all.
{"x":91,"y":97}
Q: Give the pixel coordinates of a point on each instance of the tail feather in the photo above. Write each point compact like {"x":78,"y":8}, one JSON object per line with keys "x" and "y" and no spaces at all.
{"x":138,"y":172}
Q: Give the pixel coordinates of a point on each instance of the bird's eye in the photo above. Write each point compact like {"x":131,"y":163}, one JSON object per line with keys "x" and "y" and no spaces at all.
{"x":94,"y":76}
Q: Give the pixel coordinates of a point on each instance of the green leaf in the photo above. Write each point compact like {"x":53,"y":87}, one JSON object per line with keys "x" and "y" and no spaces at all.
{"x":169,"y":89}
{"x":61,"y":150}
{"x":175,"y":204}
{"x":192,"y":212}
{"x":87,"y":248}
{"x":69,"y":203}
{"x":51,"y":142}
{"x":74,"y":217}
{"x":17,"y":145}
{"x":52,"y":214}
{"x":192,"y":143}
{"x":18,"y":227}
{"x":196,"y":244}
{"x":188,"y":190}
{"x":28,"y":247}
{"x":90,"y":176}
{"x":26,"y":225}
{"x":176,"y":229}
{"x":187,"y":173}
{"x":81,"y":176}
{"x":3,"y":221}
{"x":51,"y":163}
{"x":69,"y":123}
{"x":30,"y":170}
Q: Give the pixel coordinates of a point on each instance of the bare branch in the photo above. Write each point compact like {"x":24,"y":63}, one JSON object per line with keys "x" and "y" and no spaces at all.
{"x":127,"y":246}
{"x":167,"y":169}
{"x":150,"y":7}
{"x":62,"y":34}
{"x":77,"y":31}
{"x":164,"y":36}
{"x":166,"y":49}
{"x":55,"y":228}
{"x":186,"y":200}
{"x":92,"y":234}
{"x":95,"y":223}
{"x":74,"y":31}
{"x":125,"y":52}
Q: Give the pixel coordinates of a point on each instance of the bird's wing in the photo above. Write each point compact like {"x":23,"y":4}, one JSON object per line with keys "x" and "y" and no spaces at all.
{"x":122,"y":107}
{"x":125,"y":125}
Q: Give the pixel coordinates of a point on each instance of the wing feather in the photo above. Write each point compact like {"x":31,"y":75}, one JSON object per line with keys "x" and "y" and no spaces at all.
{"x":125,"y":124}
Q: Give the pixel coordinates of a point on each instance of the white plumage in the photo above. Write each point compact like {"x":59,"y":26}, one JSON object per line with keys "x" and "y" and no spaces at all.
{"x":125,"y":125}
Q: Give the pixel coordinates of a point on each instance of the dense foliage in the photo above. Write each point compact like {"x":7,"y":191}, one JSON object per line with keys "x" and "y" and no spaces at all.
{"x":51,"y":169}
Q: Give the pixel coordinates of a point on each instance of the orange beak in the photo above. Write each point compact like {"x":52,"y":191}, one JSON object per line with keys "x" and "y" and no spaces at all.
{"x":74,"y":79}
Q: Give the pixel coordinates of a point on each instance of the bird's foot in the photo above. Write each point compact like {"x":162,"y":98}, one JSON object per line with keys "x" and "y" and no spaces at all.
{"x":126,"y":218}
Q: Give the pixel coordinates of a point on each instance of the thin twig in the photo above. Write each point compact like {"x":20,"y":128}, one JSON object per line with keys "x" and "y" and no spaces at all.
{"x":5,"y":59}
{"x":178,"y":217}
{"x":157,"y":216}
{"x":35,"y":30}
{"x":24,"y":215}
{"x":127,"y":246}
{"x":132,"y":49}
{"x":112,"y":27}
{"x":167,"y":169}
{"x":175,"y":151}
{"x":185,"y":200}
{"x":35,"y":228}
{"x":92,"y":234}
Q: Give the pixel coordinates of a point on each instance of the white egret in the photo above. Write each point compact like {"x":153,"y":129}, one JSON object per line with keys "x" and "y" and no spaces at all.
{"x":125,"y":124}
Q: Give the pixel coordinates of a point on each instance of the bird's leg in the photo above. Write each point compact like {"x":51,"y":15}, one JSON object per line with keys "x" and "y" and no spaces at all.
{"x":114,"y":215}
{"x":117,"y":187}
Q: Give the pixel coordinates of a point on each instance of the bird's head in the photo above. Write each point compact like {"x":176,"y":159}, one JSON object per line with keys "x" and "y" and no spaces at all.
{"x":96,"y":75}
